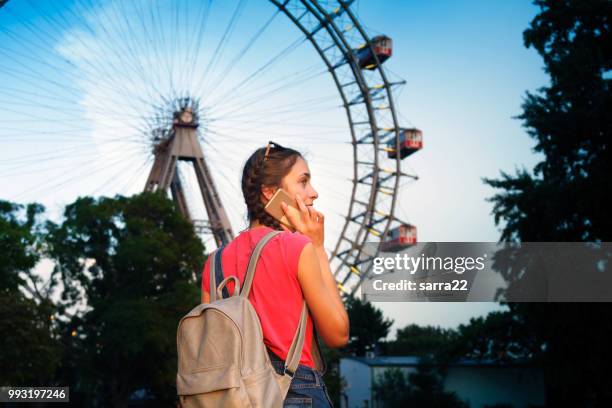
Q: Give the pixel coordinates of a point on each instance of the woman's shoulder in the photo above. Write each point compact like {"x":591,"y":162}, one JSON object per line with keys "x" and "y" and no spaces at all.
{"x":292,"y":244}
{"x":283,"y":237}
{"x":294,"y":237}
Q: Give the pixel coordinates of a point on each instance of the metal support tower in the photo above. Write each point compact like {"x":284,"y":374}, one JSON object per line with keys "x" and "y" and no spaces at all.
{"x":182,"y":144}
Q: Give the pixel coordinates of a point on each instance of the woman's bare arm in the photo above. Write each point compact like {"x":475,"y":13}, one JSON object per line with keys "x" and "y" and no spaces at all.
{"x":322,"y":297}
{"x":315,"y":276}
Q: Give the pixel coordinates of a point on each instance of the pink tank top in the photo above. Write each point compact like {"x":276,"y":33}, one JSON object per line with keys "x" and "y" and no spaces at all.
{"x":276,"y":294}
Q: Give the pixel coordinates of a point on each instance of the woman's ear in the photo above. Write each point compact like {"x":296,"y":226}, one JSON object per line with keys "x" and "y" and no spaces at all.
{"x":267,"y":192}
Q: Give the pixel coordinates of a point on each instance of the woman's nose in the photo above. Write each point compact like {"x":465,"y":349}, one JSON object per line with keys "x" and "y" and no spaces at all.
{"x":313,"y":193}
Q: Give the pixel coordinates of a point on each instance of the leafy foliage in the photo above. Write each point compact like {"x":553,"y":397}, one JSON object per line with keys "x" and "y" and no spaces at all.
{"x":498,"y":336}
{"x":368,"y":326}
{"x":414,"y":340}
{"x":423,"y":388}
{"x":133,"y":262}
{"x":568,"y":196}
{"x":29,"y":354}
{"x":19,"y":244}
{"x":569,"y":121}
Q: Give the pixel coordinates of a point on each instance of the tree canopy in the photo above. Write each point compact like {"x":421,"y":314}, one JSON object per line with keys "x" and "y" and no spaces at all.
{"x":27,"y":319}
{"x":368,"y":326}
{"x":19,"y":244}
{"x":423,"y":388}
{"x":567,"y":196}
{"x":133,"y":262}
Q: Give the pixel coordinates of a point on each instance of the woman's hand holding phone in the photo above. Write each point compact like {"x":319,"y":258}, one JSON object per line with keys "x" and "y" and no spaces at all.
{"x":306,"y":220}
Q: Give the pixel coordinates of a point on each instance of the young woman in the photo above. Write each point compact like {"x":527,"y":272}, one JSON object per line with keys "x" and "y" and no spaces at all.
{"x":293,"y":266}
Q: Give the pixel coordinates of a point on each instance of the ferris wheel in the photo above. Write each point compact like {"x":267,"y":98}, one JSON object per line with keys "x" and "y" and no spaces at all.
{"x":108,"y":97}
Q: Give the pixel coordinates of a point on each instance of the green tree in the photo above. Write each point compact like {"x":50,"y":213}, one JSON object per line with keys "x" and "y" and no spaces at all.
{"x":390,"y":388}
{"x":423,"y":388}
{"x":500,"y":335}
{"x":569,"y":194}
{"x":415,"y":340}
{"x":368,"y":326}
{"x":19,"y":244}
{"x":134,"y":263}
{"x":29,"y":353}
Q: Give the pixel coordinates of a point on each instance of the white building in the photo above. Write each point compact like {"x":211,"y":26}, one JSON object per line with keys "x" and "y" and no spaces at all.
{"x":479,"y":383}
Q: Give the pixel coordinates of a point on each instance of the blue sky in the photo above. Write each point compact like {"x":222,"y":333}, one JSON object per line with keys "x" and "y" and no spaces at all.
{"x":464,"y":63}
{"x":467,"y":72}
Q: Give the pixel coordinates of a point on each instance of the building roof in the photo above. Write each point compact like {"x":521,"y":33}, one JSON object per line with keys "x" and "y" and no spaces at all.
{"x":398,"y":361}
{"x":411,"y":361}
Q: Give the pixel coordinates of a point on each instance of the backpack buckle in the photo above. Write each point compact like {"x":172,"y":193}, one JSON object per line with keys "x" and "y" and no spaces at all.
{"x":289,"y":372}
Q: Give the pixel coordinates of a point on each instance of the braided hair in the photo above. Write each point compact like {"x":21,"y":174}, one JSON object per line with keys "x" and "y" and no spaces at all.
{"x":260,"y":171}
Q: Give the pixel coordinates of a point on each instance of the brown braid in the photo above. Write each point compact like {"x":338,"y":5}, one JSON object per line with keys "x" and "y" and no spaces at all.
{"x":258,"y":172}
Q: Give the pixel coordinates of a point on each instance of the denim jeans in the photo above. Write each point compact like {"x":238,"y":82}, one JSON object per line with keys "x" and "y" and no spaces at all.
{"x":307,"y":388}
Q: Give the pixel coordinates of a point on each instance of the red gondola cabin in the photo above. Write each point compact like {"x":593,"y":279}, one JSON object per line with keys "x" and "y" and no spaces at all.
{"x":383,"y":48}
{"x":411,"y":140}
{"x":399,"y":238}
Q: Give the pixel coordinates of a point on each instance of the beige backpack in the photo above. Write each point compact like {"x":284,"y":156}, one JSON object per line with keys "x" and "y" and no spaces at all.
{"x":222,"y":359}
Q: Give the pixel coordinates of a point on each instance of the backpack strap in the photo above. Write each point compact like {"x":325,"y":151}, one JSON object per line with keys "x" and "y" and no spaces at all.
{"x":250,"y":273}
{"x":216,"y":274}
{"x":297,"y":344}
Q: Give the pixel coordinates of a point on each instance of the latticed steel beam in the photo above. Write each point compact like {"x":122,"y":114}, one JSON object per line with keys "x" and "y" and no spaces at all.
{"x":341,"y":87}
{"x":337,"y":36}
{"x":364,"y":101}
{"x":396,"y":129}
